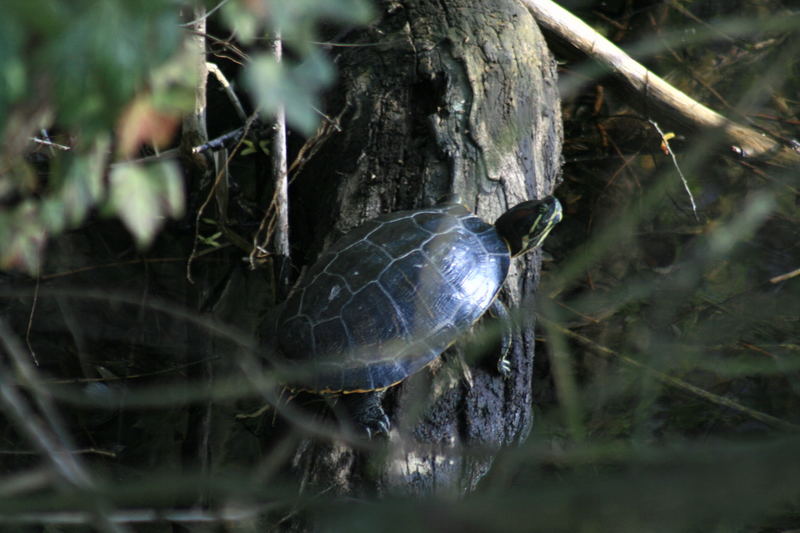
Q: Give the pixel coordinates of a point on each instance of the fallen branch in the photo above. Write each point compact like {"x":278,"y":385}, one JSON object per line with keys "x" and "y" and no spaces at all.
{"x":656,"y":96}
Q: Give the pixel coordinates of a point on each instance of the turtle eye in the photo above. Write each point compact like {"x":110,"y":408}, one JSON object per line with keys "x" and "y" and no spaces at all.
{"x":549,"y":215}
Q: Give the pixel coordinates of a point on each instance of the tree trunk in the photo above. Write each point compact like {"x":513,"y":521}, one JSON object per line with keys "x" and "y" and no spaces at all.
{"x":436,"y":97}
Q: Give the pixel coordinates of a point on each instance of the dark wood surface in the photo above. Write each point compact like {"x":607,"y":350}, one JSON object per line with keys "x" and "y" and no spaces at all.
{"x":435,"y":98}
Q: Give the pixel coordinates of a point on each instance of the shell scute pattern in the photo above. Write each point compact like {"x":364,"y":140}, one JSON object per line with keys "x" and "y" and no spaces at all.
{"x":354,"y":269}
{"x":395,"y":238}
{"x":370,"y":321}
{"x":301,"y":338}
{"x":434,"y":223}
{"x":329,"y":293}
{"x":411,"y":285}
{"x":493,"y":244}
{"x":390,"y":296}
{"x":336,"y":335}
{"x":474,"y":224}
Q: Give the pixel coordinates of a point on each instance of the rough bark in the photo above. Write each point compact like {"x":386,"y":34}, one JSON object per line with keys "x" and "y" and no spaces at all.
{"x":437,"y":97}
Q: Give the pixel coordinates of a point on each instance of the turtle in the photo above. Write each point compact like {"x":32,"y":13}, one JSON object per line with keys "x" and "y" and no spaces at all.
{"x":391,"y":295}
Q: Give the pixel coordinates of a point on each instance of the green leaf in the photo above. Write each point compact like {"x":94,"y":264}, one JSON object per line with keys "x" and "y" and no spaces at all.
{"x":22,"y":238}
{"x":241,"y":20}
{"x":103,"y":55}
{"x":294,"y":86}
{"x":142,"y":197}
{"x":172,"y":183}
{"x":83,"y":184}
{"x":296,"y":20}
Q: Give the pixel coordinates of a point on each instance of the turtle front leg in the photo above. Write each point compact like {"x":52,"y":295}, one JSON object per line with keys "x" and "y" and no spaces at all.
{"x":366,"y":411}
{"x":500,"y":312}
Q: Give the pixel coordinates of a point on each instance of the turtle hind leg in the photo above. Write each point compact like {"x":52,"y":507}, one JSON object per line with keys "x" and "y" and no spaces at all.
{"x":499,"y":311}
{"x":365,"y":410}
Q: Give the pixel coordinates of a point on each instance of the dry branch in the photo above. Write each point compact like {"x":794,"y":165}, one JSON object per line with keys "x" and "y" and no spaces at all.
{"x":194,"y":124}
{"x":281,"y":239}
{"x":653,"y":94}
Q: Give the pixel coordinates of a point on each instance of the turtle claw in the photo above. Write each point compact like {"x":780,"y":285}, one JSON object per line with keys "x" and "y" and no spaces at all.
{"x":379,"y":426}
{"x":385,"y":425}
{"x":366,"y":411}
{"x":504,"y":367}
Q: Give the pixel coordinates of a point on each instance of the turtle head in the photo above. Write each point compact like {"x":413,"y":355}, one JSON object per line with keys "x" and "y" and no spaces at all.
{"x":526,"y":225}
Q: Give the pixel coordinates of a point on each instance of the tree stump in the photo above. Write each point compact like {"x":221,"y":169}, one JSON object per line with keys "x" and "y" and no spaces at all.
{"x":434,"y":98}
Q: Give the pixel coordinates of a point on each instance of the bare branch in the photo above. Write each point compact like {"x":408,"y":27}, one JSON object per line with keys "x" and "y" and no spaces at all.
{"x":671,"y":153}
{"x":279,"y":171}
{"x":194,"y":124}
{"x":51,"y":144}
{"x":280,"y":199}
{"x":656,"y":95}
{"x":215,"y":70}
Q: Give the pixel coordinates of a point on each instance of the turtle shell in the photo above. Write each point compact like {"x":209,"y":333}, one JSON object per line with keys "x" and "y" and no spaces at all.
{"x":389,"y":297}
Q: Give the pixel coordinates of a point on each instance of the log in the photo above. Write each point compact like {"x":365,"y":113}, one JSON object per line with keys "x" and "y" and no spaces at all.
{"x":434,"y":98}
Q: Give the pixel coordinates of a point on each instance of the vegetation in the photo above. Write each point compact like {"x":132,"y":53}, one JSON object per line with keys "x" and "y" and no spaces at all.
{"x":667,"y":380}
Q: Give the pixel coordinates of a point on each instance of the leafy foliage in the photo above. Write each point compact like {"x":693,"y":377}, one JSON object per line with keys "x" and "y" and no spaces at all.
{"x":80,"y":71}
{"x":291,"y":83}
{"x":71,"y":68}
{"x":275,"y":84}
{"x":143,"y":196}
{"x":667,"y":378}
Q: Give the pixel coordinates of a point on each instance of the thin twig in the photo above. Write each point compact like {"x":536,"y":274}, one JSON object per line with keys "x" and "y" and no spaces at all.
{"x":784,"y":277}
{"x":215,"y":70}
{"x":30,"y":320}
{"x":279,"y":169}
{"x":710,"y":27}
{"x":194,"y":130}
{"x":130,"y":377}
{"x":355,"y":45}
{"x":82,"y":451}
{"x":671,"y":152}
{"x":223,"y":141}
{"x":49,"y":143}
{"x":280,"y":238}
{"x":204,"y":16}
{"x":46,"y":137}
{"x":210,"y":195}
{"x":117,"y":264}
{"x":165,"y":155}
{"x":32,"y":427}
{"x":242,"y":56}
{"x":673,"y":381}
{"x":51,"y":438}
{"x":655,"y":93}
{"x":41,"y":396}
